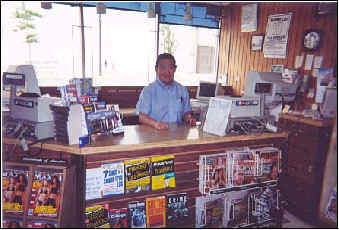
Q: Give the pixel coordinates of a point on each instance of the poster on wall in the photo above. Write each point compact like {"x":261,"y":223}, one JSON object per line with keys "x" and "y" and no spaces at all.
{"x":249,"y":18}
{"x":275,"y":43}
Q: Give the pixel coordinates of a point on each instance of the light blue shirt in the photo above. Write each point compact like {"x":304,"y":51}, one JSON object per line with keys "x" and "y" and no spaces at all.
{"x":164,"y":103}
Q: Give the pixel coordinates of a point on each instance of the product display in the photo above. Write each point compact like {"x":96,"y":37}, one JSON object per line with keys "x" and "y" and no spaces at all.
{"x":163,"y":175}
{"x":14,"y":186}
{"x":46,"y":193}
{"x":96,"y":217}
{"x":156,"y":212}
{"x":137,"y":175}
{"x":113,"y":179}
{"x":137,"y":214}
{"x":177,"y":209}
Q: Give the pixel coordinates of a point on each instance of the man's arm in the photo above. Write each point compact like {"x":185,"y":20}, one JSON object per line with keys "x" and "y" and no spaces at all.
{"x":145,"y":119}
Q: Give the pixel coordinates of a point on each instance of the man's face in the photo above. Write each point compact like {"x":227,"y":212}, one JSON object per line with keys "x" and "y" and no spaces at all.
{"x":165,"y":71}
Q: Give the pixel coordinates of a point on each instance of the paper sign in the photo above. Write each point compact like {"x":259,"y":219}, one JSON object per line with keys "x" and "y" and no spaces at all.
{"x":308,"y":61}
{"x":298,"y":61}
{"x":318,"y":60}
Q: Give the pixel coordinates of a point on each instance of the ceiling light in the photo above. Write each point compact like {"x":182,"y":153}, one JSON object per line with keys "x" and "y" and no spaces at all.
{"x":150,"y":11}
{"x":188,"y":15}
{"x":101,"y":8}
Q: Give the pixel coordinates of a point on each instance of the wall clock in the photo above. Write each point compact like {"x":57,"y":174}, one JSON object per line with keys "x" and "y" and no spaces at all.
{"x":312,"y":39}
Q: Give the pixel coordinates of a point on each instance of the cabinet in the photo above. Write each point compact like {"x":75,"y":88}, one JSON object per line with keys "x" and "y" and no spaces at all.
{"x":308,"y":143}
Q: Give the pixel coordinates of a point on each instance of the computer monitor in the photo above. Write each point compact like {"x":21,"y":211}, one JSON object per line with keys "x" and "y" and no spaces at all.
{"x":206,"y":90}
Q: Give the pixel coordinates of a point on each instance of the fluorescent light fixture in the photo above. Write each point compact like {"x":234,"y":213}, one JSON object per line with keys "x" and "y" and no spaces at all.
{"x":101,"y":8}
{"x":188,"y":15}
{"x":46,"y":5}
{"x":150,"y":11}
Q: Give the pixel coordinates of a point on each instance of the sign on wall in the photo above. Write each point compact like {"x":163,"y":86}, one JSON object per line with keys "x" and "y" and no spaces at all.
{"x":249,"y":18}
{"x":275,"y":43}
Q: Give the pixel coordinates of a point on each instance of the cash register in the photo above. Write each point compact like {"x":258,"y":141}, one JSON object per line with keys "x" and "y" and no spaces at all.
{"x":29,"y":113}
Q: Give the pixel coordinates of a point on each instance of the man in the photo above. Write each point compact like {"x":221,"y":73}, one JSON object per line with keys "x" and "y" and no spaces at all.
{"x":164,"y":101}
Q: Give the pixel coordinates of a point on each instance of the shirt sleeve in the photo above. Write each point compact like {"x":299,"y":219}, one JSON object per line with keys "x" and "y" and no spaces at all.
{"x":187,"y":104}
{"x":144,"y":102}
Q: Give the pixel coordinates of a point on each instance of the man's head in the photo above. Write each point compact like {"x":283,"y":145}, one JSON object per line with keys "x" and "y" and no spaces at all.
{"x":165,"y":67}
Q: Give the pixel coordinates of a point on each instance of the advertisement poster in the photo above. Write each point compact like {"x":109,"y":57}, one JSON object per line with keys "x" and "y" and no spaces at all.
{"x":275,"y":43}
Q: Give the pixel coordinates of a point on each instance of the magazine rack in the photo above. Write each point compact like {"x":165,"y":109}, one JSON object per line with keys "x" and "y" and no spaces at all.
{"x":38,"y":196}
{"x":186,"y":144}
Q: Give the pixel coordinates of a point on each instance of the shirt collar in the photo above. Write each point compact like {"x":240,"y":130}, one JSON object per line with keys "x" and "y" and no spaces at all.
{"x":165,"y":86}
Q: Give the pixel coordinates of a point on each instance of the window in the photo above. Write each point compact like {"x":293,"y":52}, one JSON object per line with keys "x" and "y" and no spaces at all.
{"x":186,"y":41}
{"x":128,"y":46}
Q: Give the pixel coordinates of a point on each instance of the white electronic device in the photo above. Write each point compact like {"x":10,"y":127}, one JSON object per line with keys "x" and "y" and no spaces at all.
{"x":270,"y":85}
{"x":34,"y":109}
{"x":245,"y":106}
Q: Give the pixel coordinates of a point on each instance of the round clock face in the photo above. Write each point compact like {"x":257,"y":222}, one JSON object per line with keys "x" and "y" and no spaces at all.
{"x":312,"y":40}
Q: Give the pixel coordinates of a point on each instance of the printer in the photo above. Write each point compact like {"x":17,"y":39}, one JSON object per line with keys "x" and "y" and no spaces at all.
{"x":271,"y":85}
{"x":28,"y":110}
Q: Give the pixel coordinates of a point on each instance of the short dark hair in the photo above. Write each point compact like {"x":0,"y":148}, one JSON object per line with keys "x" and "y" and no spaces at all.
{"x":165,"y":56}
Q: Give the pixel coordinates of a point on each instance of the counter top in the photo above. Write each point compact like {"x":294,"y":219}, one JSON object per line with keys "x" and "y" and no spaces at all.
{"x":307,"y":120}
{"x":137,"y":137}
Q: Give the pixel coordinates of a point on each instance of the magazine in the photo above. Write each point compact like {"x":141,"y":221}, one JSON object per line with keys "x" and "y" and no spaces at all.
{"x":96,"y":217}
{"x":113,"y":179}
{"x":14,"y":186}
{"x":116,"y":118}
{"x":177,"y":209}
{"x":94,"y":183}
{"x":332,"y":206}
{"x":210,"y":211}
{"x":237,"y":209}
{"x":263,"y":202}
{"x":137,"y":214}
{"x":156,"y":212}
{"x":215,"y":173}
{"x":137,"y":175}
{"x":244,"y":167}
{"x":8,"y":222}
{"x":269,"y":164}
{"x":46,"y":193}
{"x":163,"y":175}
{"x":117,"y":218}
{"x":215,"y":210}
{"x":41,"y":224}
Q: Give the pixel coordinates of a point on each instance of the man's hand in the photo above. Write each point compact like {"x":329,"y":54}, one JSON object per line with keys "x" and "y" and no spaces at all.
{"x":145,"y":119}
{"x":189,"y":119}
{"x":161,"y":125}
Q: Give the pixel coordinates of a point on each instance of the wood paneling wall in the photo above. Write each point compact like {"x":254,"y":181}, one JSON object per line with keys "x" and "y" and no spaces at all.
{"x":236,"y":57}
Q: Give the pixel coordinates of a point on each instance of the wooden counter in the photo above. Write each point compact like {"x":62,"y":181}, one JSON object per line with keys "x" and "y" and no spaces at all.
{"x":145,"y":137}
{"x":185,"y":143}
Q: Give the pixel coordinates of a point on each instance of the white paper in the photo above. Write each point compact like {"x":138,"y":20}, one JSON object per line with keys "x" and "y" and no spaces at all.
{"x":275,"y":43}
{"x":324,"y":77}
{"x":94,"y":183}
{"x":249,"y":18}
{"x":318,"y":60}
{"x":308,"y":61}
{"x":77,"y":126}
{"x":298,"y":61}
{"x":315,"y":73}
{"x":310,"y":93}
{"x":217,"y":116}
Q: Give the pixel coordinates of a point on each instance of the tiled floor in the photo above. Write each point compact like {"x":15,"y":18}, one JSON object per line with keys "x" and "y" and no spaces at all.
{"x":292,"y":221}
